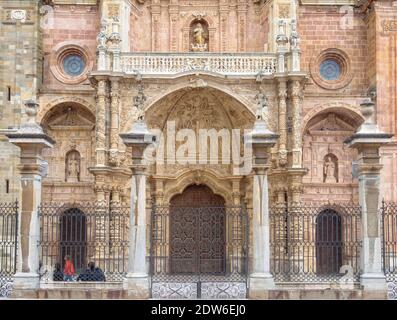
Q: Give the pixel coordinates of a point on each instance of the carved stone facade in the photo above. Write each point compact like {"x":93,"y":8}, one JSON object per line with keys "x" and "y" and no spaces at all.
{"x":198,"y":65}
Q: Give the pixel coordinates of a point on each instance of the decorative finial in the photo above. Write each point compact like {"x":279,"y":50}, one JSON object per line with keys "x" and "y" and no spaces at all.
{"x":31,"y":110}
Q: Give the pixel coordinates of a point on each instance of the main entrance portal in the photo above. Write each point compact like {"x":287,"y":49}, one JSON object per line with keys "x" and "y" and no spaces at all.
{"x":199,"y":247}
{"x":198,"y":232}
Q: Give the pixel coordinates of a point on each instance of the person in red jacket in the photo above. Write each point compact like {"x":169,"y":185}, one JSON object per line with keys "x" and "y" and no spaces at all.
{"x":68,"y":270}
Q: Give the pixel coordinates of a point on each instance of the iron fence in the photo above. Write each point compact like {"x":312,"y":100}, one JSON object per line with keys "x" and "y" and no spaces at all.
{"x":199,"y":252}
{"x":93,"y":237}
{"x":389,"y":243}
{"x":8,"y":245}
{"x":315,"y":243}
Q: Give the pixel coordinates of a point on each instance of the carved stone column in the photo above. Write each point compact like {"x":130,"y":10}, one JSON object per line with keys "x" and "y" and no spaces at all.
{"x":260,"y":279}
{"x":137,"y":279}
{"x":100,"y":136}
{"x":174,"y":26}
{"x":368,"y":140}
{"x":241,"y":25}
{"x":156,"y":13}
{"x":223,"y":18}
{"x":32,"y":140}
{"x":282,"y":121}
{"x":282,"y":41}
{"x":114,"y":121}
{"x":115,"y":39}
{"x":296,"y":97}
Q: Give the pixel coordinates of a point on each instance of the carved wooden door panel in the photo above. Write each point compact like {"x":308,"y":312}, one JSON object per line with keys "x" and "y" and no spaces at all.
{"x":197,"y":229}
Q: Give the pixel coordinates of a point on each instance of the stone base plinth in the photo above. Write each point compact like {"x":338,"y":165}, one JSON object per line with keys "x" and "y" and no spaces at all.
{"x":25,"y":285}
{"x":137,"y":286}
{"x":373,"y":282}
{"x":259,"y":283}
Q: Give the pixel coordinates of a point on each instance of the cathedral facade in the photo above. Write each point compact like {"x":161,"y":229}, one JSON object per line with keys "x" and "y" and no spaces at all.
{"x":193,"y":81}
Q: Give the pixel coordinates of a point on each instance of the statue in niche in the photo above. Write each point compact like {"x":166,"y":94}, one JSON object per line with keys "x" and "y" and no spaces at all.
{"x":138,"y":113}
{"x":73,"y":166}
{"x":261,"y":109}
{"x":330,"y":170}
{"x":199,"y":37}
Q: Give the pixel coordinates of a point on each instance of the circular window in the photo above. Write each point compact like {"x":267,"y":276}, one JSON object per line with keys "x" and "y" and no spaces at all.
{"x":330,"y":69}
{"x":70,"y":63}
{"x":73,"y":65}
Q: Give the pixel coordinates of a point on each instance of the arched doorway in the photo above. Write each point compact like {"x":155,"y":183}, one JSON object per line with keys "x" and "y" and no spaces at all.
{"x":73,"y":237}
{"x":328,"y":242}
{"x":197,"y":232}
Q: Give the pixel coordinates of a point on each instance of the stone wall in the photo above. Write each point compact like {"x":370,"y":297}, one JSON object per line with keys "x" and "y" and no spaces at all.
{"x":20,"y":77}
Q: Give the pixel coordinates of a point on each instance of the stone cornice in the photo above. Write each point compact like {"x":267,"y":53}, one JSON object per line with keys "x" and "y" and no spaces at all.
{"x":329,"y":2}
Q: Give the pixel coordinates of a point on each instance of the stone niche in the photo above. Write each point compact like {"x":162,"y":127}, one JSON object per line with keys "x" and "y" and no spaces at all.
{"x":327,"y":158}
{"x":72,"y":127}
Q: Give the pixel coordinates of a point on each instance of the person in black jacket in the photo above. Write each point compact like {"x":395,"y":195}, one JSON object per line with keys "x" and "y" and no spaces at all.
{"x":58,"y":274}
{"x":92,"y":273}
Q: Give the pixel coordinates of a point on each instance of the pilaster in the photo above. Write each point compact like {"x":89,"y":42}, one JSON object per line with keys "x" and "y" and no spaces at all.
{"x":368,"y":140}
{"x":31,"y":139}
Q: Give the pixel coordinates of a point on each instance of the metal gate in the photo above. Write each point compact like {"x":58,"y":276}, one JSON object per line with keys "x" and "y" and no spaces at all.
{"x":8,"y":246}
{"x":199,"y":252}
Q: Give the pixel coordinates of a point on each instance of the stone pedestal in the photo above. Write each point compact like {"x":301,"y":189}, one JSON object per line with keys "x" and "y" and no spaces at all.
{"x":137,"y":280}
{"x":367,"y":140}
{"x":260,"y":278}
{"x":31,"y":140}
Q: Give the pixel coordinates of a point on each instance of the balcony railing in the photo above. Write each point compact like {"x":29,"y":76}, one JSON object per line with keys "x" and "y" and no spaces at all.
{"x":242,"y":64}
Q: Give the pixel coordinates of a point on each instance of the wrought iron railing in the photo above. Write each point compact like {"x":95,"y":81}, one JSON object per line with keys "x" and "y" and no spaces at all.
{"x":94,"y":237}
{"x":199,"y":252}
{"x":250,"y":64}
{"x":315,"y":243}
{"x":389,"y":243}
{"x":8,"y":245}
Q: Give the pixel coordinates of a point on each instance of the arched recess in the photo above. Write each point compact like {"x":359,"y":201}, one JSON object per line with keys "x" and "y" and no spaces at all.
{"x":192,"y":82}
{"x":325,"y":129}
{"x":211,"y":25}
{"x":329,"y":242}
{"x":73,"y":237}
{"x":72,"y":126}
{"x":219,"y":186}
{"x":196,"y":109}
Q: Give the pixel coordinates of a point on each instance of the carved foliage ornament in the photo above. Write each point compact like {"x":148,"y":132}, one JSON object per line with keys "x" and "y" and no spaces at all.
{"x":113,"y":11}
{"x":283,"y":10}
{"x":389,"y":25}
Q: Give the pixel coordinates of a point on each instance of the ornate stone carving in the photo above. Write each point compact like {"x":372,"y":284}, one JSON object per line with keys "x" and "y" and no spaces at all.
{"x":102,"y":35}
{"x":284,"y":11}
{"x":197,"y":83}
{"x":239,"y":63}
{"x":389,"y":25}
{"x":18,"y":15}
{"x":101,"y":123}
{"x":294,"y":39}
{"x":113,"y":11}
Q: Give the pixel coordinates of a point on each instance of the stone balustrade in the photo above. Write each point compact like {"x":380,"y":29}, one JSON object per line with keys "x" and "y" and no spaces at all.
{"x":242,"y":64}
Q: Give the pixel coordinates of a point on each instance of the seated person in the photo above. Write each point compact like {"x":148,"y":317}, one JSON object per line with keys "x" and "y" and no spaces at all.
{"x":92,"y":273}
{"x":58,"y":274}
